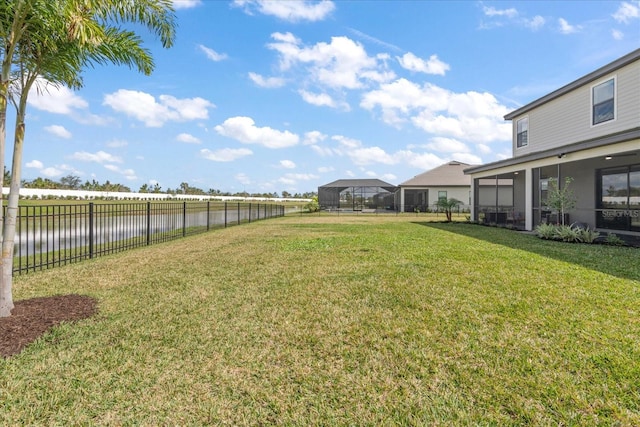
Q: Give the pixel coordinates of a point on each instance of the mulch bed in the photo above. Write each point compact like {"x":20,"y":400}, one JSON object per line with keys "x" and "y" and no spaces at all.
{"x":33,"y":317}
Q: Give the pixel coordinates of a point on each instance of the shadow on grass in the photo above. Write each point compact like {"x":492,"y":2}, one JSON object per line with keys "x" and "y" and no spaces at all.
{"x":621,"y":262}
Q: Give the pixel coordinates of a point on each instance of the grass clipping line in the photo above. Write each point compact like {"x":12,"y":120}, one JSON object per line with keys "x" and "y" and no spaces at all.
{"x":33,"y":317}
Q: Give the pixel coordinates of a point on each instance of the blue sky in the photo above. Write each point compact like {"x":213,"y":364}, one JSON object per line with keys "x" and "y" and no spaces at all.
{"x":272,"y":96}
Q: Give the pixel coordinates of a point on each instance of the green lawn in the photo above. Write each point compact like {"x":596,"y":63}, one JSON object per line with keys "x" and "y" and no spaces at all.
{"x":350,"y":320}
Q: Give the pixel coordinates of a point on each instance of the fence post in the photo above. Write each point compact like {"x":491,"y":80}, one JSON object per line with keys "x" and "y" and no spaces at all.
{"x":225,"y":214}
{"x":90,"y":230}
{"x":148,"y":223}
{"x":238,"y":213}
{"x":208,"y":214}
{"x":184,"y":219}
{"x":249,"y":212}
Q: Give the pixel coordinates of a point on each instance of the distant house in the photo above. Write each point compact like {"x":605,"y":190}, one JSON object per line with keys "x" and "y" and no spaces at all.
{"x":357,"y":195}
{"x":588,"y":130}
{"x":423,"y":191}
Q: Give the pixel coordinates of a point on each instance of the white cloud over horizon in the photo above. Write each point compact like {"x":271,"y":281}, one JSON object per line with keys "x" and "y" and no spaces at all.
{"x":627,"y":12}
{"x":155,"y":113}
{"x":244,"y":129}
{"x":433,"y":65}
{"x":291,"y":10}
{"x":187,"y":138}
{"x":470,"y":117}
{"x":225,"y":154}
{"x":56,"y":99}
{"x":212,"y":54}
{"x":98,"y":157}
{"x":267,"y":82}
{"x":59,"y":131}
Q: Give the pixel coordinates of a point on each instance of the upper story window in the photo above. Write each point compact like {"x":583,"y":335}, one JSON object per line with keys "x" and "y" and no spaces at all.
{"x":603,"y":102}
{"x":522,"y":139}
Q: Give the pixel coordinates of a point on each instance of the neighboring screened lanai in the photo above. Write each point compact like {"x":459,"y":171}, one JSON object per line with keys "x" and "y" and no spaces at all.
{"x":357,"y":194}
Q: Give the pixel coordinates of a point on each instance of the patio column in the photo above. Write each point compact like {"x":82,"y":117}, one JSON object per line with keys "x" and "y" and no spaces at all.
{"x":528,"y":199}
{"x":472,"y":202}
{"x":401,"y":199}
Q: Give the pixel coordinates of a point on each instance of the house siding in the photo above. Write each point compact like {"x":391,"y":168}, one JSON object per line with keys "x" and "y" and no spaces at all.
{"x":567,"y":119}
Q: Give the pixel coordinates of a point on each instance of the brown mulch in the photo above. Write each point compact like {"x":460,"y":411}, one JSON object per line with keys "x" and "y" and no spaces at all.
{"x":33,"y":317}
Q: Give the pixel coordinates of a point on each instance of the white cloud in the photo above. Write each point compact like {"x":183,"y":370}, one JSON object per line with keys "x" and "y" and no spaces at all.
{"x":322,"y":100}
{"x":291,"y":10}
{"x":154,"y":113}
{"x":225,"y":154}
{"x":293,"y":178}
{"x":313,"y":137}
{"x":186,"y":4}
{"x":243,"y":178}
{"x":535,"y":23}
{"x":323,"y":151}
{"x":341,"y":64}
{"x":617,"y":34}
{"x":492,"y":11}
{"x":566,"y":28}
{"x":243,"y":129}
{"x":411,"y":62}
{"x":127,"y":173}
{"x":372,"y":155}
{"x":302,"y":176}
{"x":212,"y":54}
{"x":117,"y":143}
{"x":268,"y":82}
{"x":347,"y":142}
{"x":58,"y":131}
{"x":51,"y":172}
{"x":470,"y":117}
{"x":483,"y":148}
{"x":35,"y":164}
{"x":187,"y":138}
{"x":287,"y":164}
{"x":55,"y":99}
{"x":627,"y":12}
{"x":325,"y":169}
{"x":361,"y":155}
{"x":447,"y":145}
{"x":98,"y":157}
{"x":398,"y":98}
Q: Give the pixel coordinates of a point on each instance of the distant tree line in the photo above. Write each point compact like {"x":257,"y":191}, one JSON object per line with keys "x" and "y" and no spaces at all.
{"x":72,"y":182}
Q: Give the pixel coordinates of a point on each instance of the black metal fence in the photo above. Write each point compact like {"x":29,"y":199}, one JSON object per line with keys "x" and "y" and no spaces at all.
{"x":54,"y":235}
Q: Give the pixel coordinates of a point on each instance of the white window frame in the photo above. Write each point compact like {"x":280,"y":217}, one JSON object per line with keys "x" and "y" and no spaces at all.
{"x":528,"y":132}
{"x":615,"y":100}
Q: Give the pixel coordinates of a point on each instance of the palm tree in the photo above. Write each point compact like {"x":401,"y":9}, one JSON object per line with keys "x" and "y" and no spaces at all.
{"x":51,"y":41}
{"x":447,"y":206}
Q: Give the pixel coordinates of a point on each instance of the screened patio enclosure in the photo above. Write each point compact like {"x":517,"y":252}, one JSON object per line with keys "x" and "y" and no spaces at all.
{"x":357,"y":195}
{"x":500,"y":200}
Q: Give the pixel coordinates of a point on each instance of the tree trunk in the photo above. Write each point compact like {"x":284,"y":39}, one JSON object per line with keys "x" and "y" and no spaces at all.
{"x":6,"y":296}
{"x":9,"y":45}
{"x":9,"y":226}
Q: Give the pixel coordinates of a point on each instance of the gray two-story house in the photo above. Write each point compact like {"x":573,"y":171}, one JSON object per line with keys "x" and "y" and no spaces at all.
{"x":588,"y":130}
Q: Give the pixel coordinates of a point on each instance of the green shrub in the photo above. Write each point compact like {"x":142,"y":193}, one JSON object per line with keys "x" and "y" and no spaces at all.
{"x":567,"y":233}
{"x":313,"y":205}
{"x":613,"y":239}
{"x":546,"y":231}
{"x":586,"y":235}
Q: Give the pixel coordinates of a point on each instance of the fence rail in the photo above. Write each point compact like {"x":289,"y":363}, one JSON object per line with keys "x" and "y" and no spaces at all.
{"x":54,"y":235}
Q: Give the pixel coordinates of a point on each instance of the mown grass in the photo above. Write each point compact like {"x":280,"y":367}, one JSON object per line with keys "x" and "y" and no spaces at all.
{"x":317,"y":320}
